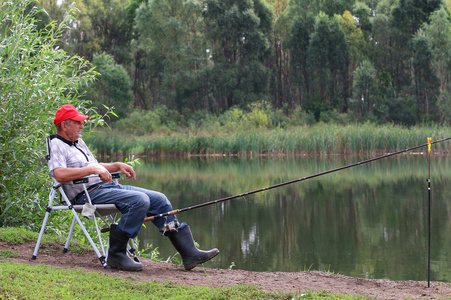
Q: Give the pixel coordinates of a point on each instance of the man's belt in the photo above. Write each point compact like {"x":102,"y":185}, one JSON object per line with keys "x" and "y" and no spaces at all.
{"x":90,"y":189}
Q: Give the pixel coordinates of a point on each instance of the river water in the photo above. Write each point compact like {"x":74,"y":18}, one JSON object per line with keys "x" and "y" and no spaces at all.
{"x":369,"y":221}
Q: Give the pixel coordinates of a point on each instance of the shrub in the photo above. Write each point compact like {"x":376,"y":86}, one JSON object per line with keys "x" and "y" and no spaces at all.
{"x":147,"y":121}
{"x":36,"y":77}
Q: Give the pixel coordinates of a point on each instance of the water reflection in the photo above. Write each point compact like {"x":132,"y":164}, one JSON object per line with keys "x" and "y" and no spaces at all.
{"x":369,"y":221}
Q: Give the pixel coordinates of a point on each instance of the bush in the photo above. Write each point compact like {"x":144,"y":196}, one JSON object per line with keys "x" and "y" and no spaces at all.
{"x":146,"y":121}
{"x":236,"y":118}
{"x":34,"y":82}
{"x":256,"y":118}
{"x":113,"y":87}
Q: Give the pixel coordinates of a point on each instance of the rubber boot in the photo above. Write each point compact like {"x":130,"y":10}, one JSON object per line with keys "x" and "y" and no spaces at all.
{"x":184,"y":243}
{"x":117,"y":252}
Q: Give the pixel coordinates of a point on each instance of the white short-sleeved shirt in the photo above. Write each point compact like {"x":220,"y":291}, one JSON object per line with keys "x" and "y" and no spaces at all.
{"x":68,"y":154}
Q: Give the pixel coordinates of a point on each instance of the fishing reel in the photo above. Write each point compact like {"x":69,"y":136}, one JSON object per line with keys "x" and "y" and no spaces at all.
{"x":170,"y":227}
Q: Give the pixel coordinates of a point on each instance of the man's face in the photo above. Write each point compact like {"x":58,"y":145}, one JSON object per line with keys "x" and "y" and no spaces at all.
{"x":72,"y":130}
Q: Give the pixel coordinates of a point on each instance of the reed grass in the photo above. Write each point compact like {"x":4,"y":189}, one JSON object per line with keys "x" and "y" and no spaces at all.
{"x":321,"y":139}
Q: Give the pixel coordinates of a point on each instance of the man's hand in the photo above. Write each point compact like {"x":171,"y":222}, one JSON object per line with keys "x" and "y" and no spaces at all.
{"x":127,"y":170}
{"x":104,"y":174}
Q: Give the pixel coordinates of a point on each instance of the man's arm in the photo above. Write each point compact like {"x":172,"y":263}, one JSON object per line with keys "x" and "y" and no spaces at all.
{"x":69,"y":174}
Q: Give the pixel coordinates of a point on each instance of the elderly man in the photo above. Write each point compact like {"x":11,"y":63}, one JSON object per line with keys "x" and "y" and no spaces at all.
{"x":70,"y":159}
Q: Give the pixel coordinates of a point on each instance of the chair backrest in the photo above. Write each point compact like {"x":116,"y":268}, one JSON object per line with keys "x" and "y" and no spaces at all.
{"x":57,"y":184}
{"x":48,"y":139}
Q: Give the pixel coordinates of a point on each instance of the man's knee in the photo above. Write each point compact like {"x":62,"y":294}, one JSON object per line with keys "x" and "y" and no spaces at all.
{"x":141,"y":201}
{"x":163,"y":199}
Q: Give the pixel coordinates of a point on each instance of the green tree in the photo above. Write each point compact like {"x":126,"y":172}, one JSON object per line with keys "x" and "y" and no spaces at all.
{"x":334,"y":7}
{"x":328,"y":55}
{"x":356,"y":46}
{"x":279,"y":6}
{"x":98,"y":26}
{"x":438,"y":33}
{"x":385,"y":54}
{"x":425,"y":83}
{"x":170,"y":53}
{"x":329,"y":7}
{"x":365,"y":89}
{"x":297,"y":43}
{"x":283,"y":95}
{"x":41,"y":16}
{"x":36,"y":77}
{"x":238,"y":32}
{"x":108,"y":22}
{"x":409,"y":15}
{"x":363,"y":14}
{"x":407,"y":18}
{"x":79,"y":36}
{"x":113,"y":87}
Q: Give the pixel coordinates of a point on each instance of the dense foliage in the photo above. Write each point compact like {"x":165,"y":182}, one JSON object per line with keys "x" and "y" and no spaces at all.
{"x":380,"y":60}
{"x":36,"y":77}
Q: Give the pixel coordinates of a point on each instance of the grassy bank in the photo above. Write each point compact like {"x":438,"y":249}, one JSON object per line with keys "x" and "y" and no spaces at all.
{"x":319,"y":139}
{"x":24,"y":281}
{"x":20,"y":281}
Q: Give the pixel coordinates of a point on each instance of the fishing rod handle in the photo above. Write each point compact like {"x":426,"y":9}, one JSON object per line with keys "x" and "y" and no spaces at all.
{"x":170,"y":213}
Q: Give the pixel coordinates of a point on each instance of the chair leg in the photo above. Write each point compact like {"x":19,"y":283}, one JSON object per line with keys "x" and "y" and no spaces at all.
{"x":87,"y":235}
{"x":69,"y":236}
{"x":41,"y":233}
{"x":131,"y":250}
{"x":44,"y":223}
{"x":83,"y":228}
{"x":99,"y":237}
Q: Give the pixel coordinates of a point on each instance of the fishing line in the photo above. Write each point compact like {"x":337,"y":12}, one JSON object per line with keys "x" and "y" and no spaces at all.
{"x":177,"y":211}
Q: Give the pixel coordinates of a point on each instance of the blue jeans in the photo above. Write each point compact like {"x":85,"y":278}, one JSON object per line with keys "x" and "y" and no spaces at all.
{"x":134,"y":204}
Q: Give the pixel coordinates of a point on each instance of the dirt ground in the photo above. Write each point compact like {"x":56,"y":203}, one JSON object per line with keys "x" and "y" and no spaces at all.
{"x":268,"y":281}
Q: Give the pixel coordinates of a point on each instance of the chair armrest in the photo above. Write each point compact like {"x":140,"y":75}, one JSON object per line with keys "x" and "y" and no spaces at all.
{"x":85,"y":179}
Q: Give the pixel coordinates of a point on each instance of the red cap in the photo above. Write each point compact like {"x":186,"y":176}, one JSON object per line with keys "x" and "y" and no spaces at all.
{"x":67,"y":112}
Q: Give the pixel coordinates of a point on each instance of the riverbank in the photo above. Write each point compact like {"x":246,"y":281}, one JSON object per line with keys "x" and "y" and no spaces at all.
{"x":320,"y":139}
{"x":66,"y":276}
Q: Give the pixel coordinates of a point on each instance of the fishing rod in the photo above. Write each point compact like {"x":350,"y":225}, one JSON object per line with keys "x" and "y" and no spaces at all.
{"x":177,"y":211}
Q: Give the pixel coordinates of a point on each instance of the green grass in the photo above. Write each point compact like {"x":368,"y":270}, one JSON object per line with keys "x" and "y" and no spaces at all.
{"x":320,"y":139}
{"x":8,"y":253}
{"x":23,"y":281}
{"x":19,"y":282}
{"x":14,"y":235}
{"x":17,"y":235}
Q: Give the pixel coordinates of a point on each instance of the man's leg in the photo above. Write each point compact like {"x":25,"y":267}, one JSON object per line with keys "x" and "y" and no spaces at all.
{"x":133,"y":206}
{"x":183,"y":241}
{"x":158,"y":204}
{"x":181,"y":237}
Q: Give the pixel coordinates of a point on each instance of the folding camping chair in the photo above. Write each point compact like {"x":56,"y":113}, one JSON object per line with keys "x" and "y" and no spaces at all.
{"x":88,"y":210}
